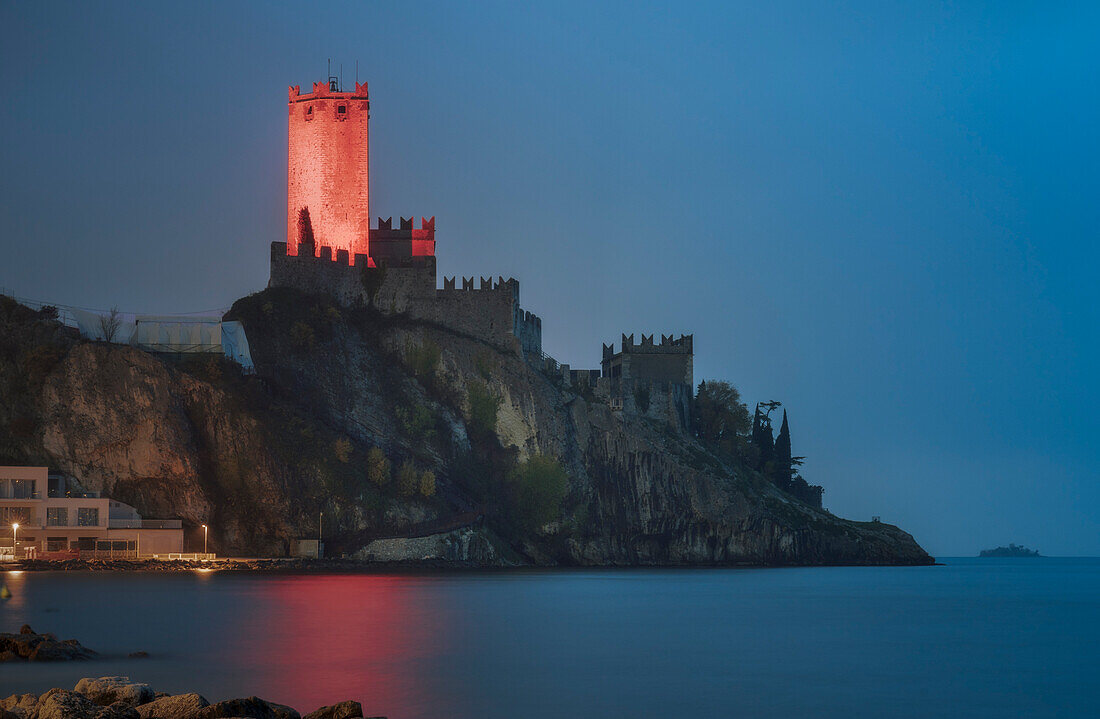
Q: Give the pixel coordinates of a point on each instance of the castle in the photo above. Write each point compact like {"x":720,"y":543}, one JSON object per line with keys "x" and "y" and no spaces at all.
{"x":331,"y":249}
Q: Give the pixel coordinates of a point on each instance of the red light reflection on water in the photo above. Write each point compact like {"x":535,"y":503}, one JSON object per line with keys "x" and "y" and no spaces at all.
{"x":309,"y":641}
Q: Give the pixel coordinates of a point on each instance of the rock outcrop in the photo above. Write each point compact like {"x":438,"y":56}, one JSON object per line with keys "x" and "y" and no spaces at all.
{"x":79,"y":704}
{"x":29,"y":646}
{"x":258,"y":458}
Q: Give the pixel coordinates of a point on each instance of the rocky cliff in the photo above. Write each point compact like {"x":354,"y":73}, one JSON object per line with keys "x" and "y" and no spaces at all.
{"x":258,"y":458}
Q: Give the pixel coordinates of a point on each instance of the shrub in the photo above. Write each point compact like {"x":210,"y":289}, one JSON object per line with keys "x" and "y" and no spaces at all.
{"x":427,"y":483}
{"x":408,"y":480}
{"x":301,"y":336}
{"x":484,"y":365}
{"x":341,"y":449}
{"x":418,"y":424}
{"x":423,"y":359}
{"x":536,"y":490}
{"x":483,"y":409}
{"x":378,"y":467}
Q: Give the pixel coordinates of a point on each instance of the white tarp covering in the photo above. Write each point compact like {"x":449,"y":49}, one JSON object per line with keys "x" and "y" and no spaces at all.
{"x":172,"y":333}
{"x":235,"y":345}
{"x":178,"y":334}
{"x":91,"y":325}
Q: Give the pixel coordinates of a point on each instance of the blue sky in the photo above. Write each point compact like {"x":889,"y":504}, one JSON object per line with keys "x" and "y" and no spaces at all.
{"x":882,"y":214}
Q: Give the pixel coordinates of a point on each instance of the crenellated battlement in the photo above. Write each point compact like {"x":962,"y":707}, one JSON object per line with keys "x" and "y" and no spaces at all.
{"x":487,"y":284}
{"x":670,"y":344}
{"x":323,"y":90}
{"x":404,"y":241}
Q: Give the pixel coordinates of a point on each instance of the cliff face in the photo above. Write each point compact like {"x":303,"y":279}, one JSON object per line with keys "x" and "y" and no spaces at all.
{"x":257,"y":458}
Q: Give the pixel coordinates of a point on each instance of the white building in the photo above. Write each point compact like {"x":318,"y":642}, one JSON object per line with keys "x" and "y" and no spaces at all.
{"x":55,"y":522}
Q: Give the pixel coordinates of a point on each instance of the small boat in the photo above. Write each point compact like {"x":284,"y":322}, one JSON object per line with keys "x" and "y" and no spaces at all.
{"x":5,"y":593}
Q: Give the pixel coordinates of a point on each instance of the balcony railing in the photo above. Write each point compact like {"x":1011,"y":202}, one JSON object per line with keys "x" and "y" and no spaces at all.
{"x":145,"y":524}
{"x":20,"y":495}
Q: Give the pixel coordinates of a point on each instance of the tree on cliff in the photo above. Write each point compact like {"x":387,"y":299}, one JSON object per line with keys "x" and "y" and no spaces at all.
{"x":483,"y":409}
{"x":536,"y":489}
{"x":408,"y":479}
{"x":305,"y":231}
{"x":762,"y":434}
{"x":783,"y":462}
{"x":378,"y":467}
{"x":110,"y":324}
{"x":721,"y":418}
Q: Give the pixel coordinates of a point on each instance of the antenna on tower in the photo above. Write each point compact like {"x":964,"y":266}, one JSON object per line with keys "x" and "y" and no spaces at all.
{"x":333,"y":82}
{"x":357,"y":72}
{"x":341,"y":77}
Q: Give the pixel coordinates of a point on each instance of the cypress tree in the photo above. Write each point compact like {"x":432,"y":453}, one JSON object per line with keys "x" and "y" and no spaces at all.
{"x":305,"y":231}
{"x":783,"y":467}
{"x":762,"y":438}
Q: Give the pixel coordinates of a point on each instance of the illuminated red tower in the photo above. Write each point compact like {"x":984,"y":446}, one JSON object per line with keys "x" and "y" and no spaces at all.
{"x":327,"y":168}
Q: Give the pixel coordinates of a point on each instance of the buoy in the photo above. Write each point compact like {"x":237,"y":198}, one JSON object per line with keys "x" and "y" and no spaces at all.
{"x":5,"y":593}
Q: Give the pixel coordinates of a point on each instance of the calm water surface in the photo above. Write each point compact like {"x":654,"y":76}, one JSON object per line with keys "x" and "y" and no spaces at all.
{"x":975,"y":638}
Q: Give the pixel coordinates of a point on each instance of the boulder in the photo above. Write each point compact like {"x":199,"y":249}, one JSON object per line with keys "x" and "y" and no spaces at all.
{"x":22,"y":644}
{"x":118,"y":710}
{"x":51,"y":650}
{"x":108,"y":690}
{"x":62,"y":704}
{"x":24,"y":706}
{"x":343,"y":710}
{"x":180,"y":706}
{"x":252,"y":707}
{"x":32,"y":647}
{"x":26,"y":629}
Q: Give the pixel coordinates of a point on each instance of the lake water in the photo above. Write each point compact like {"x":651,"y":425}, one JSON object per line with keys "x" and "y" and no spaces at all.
{"x":974,"y":638}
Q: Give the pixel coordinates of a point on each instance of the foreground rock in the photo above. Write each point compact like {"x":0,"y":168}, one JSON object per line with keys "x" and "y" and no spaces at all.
{"x":110,"y":690}
{"x":29,"y":646}
{"x":343,"y":710}
{"x":115,"y":697}
{"x":179,"y":706}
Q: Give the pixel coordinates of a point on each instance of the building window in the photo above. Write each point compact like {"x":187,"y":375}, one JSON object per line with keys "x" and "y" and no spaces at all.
{"x":309,"y":112}
{"x":15,"y":515}
{"x":341,"y":112}
{"x":24,"y":489}
{"x":57,"y":516}
{"x":56,"y":544}
{"x":87,"y":517}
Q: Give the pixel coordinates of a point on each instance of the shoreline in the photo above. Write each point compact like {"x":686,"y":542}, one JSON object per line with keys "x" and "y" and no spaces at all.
{"x":350,"y":566}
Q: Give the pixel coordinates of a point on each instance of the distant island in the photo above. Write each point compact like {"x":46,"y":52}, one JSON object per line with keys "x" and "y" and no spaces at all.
{"x":1012,"y":550}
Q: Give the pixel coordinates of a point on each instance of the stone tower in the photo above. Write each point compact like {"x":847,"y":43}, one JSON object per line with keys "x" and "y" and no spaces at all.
{"x":327,"y":168}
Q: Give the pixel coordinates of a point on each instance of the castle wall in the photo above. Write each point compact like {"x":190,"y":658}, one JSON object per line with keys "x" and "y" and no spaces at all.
{"x":663,"y":371}
{"x":487,"y":310}
{"x":528,"y":329}
{"x":327,"y":170}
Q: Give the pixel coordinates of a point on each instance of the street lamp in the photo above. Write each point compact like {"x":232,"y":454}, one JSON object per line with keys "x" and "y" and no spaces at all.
{"x":205,"y":536}
{"x":14,"y":537}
